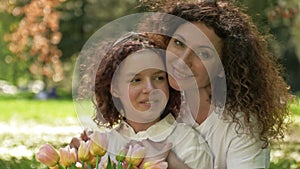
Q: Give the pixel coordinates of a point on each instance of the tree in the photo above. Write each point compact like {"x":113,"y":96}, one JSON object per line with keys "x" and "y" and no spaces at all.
{"x":34,"y":40}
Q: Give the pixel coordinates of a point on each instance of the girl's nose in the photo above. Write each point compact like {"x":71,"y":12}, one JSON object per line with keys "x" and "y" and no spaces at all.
{"x":148,"y":87}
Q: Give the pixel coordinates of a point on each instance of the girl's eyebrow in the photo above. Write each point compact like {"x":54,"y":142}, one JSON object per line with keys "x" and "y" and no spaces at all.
{"x":160,"y":71}
{"x":137,"y":74}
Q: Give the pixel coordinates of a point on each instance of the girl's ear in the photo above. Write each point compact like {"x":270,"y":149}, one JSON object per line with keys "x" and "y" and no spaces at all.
{"x":114,"y":91}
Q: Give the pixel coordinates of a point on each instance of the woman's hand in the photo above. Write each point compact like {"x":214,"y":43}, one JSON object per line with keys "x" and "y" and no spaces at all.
{"x":156,"y":150}
{"x":174,"y":162}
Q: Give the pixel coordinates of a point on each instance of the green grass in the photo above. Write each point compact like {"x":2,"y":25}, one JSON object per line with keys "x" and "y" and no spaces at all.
{"x":40,"y":111}
{"x":295,"y":107}
{"x":24,"y":110}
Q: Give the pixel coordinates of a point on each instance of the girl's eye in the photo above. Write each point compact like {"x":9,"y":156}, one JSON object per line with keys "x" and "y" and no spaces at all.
{"x":135,"y":80}
{"x":159,"y":78}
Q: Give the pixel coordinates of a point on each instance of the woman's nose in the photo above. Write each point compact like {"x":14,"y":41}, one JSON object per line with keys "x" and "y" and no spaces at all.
{"x":184,"y":59}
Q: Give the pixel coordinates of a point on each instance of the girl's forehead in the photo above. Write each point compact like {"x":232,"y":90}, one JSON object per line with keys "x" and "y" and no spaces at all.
{"x":142,"y":60}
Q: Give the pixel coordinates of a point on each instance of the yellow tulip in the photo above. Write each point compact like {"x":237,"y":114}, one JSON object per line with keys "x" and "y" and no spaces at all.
{"x":67,"y":156}
{"x":158,"y":164}
{"x":135,"y":154}
{"x":48,"y":155}
{"x":99,"y":143}
{"x":55,"y":167}
{"x":84,"y":150}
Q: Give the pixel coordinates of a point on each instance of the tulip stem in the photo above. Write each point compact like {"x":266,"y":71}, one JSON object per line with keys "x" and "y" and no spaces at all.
{"x":97,"y":161}
{"x":129,"y":166}
{"x":82,"y":164}
{"x":60,"y":167}
{"x":73,"y":166}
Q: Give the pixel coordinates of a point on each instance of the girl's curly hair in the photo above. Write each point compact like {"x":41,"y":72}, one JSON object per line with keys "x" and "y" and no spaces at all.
{"x":114,"y":54}
{"x":255,"y":86}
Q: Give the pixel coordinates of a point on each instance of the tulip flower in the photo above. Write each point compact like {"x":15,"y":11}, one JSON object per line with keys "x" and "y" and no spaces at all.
{"x":55,"y":167}
{"x":48,"y":155}
{"x":158,"y":164}
{"x":135,"y":154}
{"x":84,"y":151}
{"x":99,"y":143}
{"x":67,"y":156}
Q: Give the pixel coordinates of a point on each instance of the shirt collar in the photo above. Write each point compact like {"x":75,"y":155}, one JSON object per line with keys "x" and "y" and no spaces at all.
{"x":157,"y":132}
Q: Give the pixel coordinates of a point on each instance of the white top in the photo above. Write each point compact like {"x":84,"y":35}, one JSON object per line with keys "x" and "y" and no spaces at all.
{"x":232,"y":150}
{"x":187,"y":144}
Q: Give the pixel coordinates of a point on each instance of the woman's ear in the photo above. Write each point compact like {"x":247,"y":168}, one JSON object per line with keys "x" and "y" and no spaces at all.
{"x":221,"y":74}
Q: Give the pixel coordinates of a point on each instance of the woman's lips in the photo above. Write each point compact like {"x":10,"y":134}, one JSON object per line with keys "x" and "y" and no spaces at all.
{"x":179,"y":75}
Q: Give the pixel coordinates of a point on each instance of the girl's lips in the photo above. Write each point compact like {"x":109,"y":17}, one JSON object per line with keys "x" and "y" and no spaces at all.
{"x":147,"y":104}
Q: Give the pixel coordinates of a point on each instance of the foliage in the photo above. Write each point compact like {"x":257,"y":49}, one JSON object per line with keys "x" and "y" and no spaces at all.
{"x":34,"y":40}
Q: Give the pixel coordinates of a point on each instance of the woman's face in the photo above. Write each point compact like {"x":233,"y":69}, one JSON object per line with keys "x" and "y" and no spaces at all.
{"x":142,"y":86}
{"x":192,"y":57}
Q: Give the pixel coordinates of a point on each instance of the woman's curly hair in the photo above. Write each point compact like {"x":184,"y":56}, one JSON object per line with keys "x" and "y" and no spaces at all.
{"x":112,"y":56}
{"x":255,"y":86}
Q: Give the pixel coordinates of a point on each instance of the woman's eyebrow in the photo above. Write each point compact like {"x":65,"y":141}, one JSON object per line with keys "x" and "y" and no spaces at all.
{"x":179,"y":37}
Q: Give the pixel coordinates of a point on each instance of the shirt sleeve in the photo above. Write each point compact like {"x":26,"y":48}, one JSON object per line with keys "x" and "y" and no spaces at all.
{"x":193,"y":150}
{"x":245,"y":151}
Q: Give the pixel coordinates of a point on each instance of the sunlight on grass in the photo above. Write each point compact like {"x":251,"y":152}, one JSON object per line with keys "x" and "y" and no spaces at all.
{"x":42,"y":111}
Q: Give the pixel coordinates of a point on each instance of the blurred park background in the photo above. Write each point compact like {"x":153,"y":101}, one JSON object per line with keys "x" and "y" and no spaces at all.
{"x":41,"y":39}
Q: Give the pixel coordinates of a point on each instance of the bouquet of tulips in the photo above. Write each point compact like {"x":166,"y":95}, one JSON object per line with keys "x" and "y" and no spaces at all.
{"x":90,"y":152}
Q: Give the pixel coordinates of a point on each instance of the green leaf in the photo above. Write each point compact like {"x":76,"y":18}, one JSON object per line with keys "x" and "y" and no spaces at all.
{"x":109,"y":163}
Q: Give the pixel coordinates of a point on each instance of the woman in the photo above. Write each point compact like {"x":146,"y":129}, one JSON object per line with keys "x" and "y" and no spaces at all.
{"x":238,"y":130}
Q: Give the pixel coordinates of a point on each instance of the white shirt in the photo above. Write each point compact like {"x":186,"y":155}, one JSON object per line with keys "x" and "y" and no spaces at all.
{"x":232,"y":150}
{"x":186,"y":142}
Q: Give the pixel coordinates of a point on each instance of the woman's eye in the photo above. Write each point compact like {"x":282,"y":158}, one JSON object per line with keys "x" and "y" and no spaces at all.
{"x":179,"y":43}
{"x":203,"y":54}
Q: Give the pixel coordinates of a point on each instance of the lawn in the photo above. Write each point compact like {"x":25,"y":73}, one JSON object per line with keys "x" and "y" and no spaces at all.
{"x":26,"y":124}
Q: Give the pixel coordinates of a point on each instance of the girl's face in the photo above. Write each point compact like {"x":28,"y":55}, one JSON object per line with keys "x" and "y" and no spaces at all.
{"x":142,"y":86}
{"x":192,"y":57}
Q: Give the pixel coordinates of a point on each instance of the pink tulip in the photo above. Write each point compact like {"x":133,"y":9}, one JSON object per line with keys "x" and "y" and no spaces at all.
{"x":67,"y":156}
{"x":135,"y":154}
{"x":99,"y":143}
{"x":158,"y":164}
{"x":48,"y":155}
{"x":84,"y":150}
